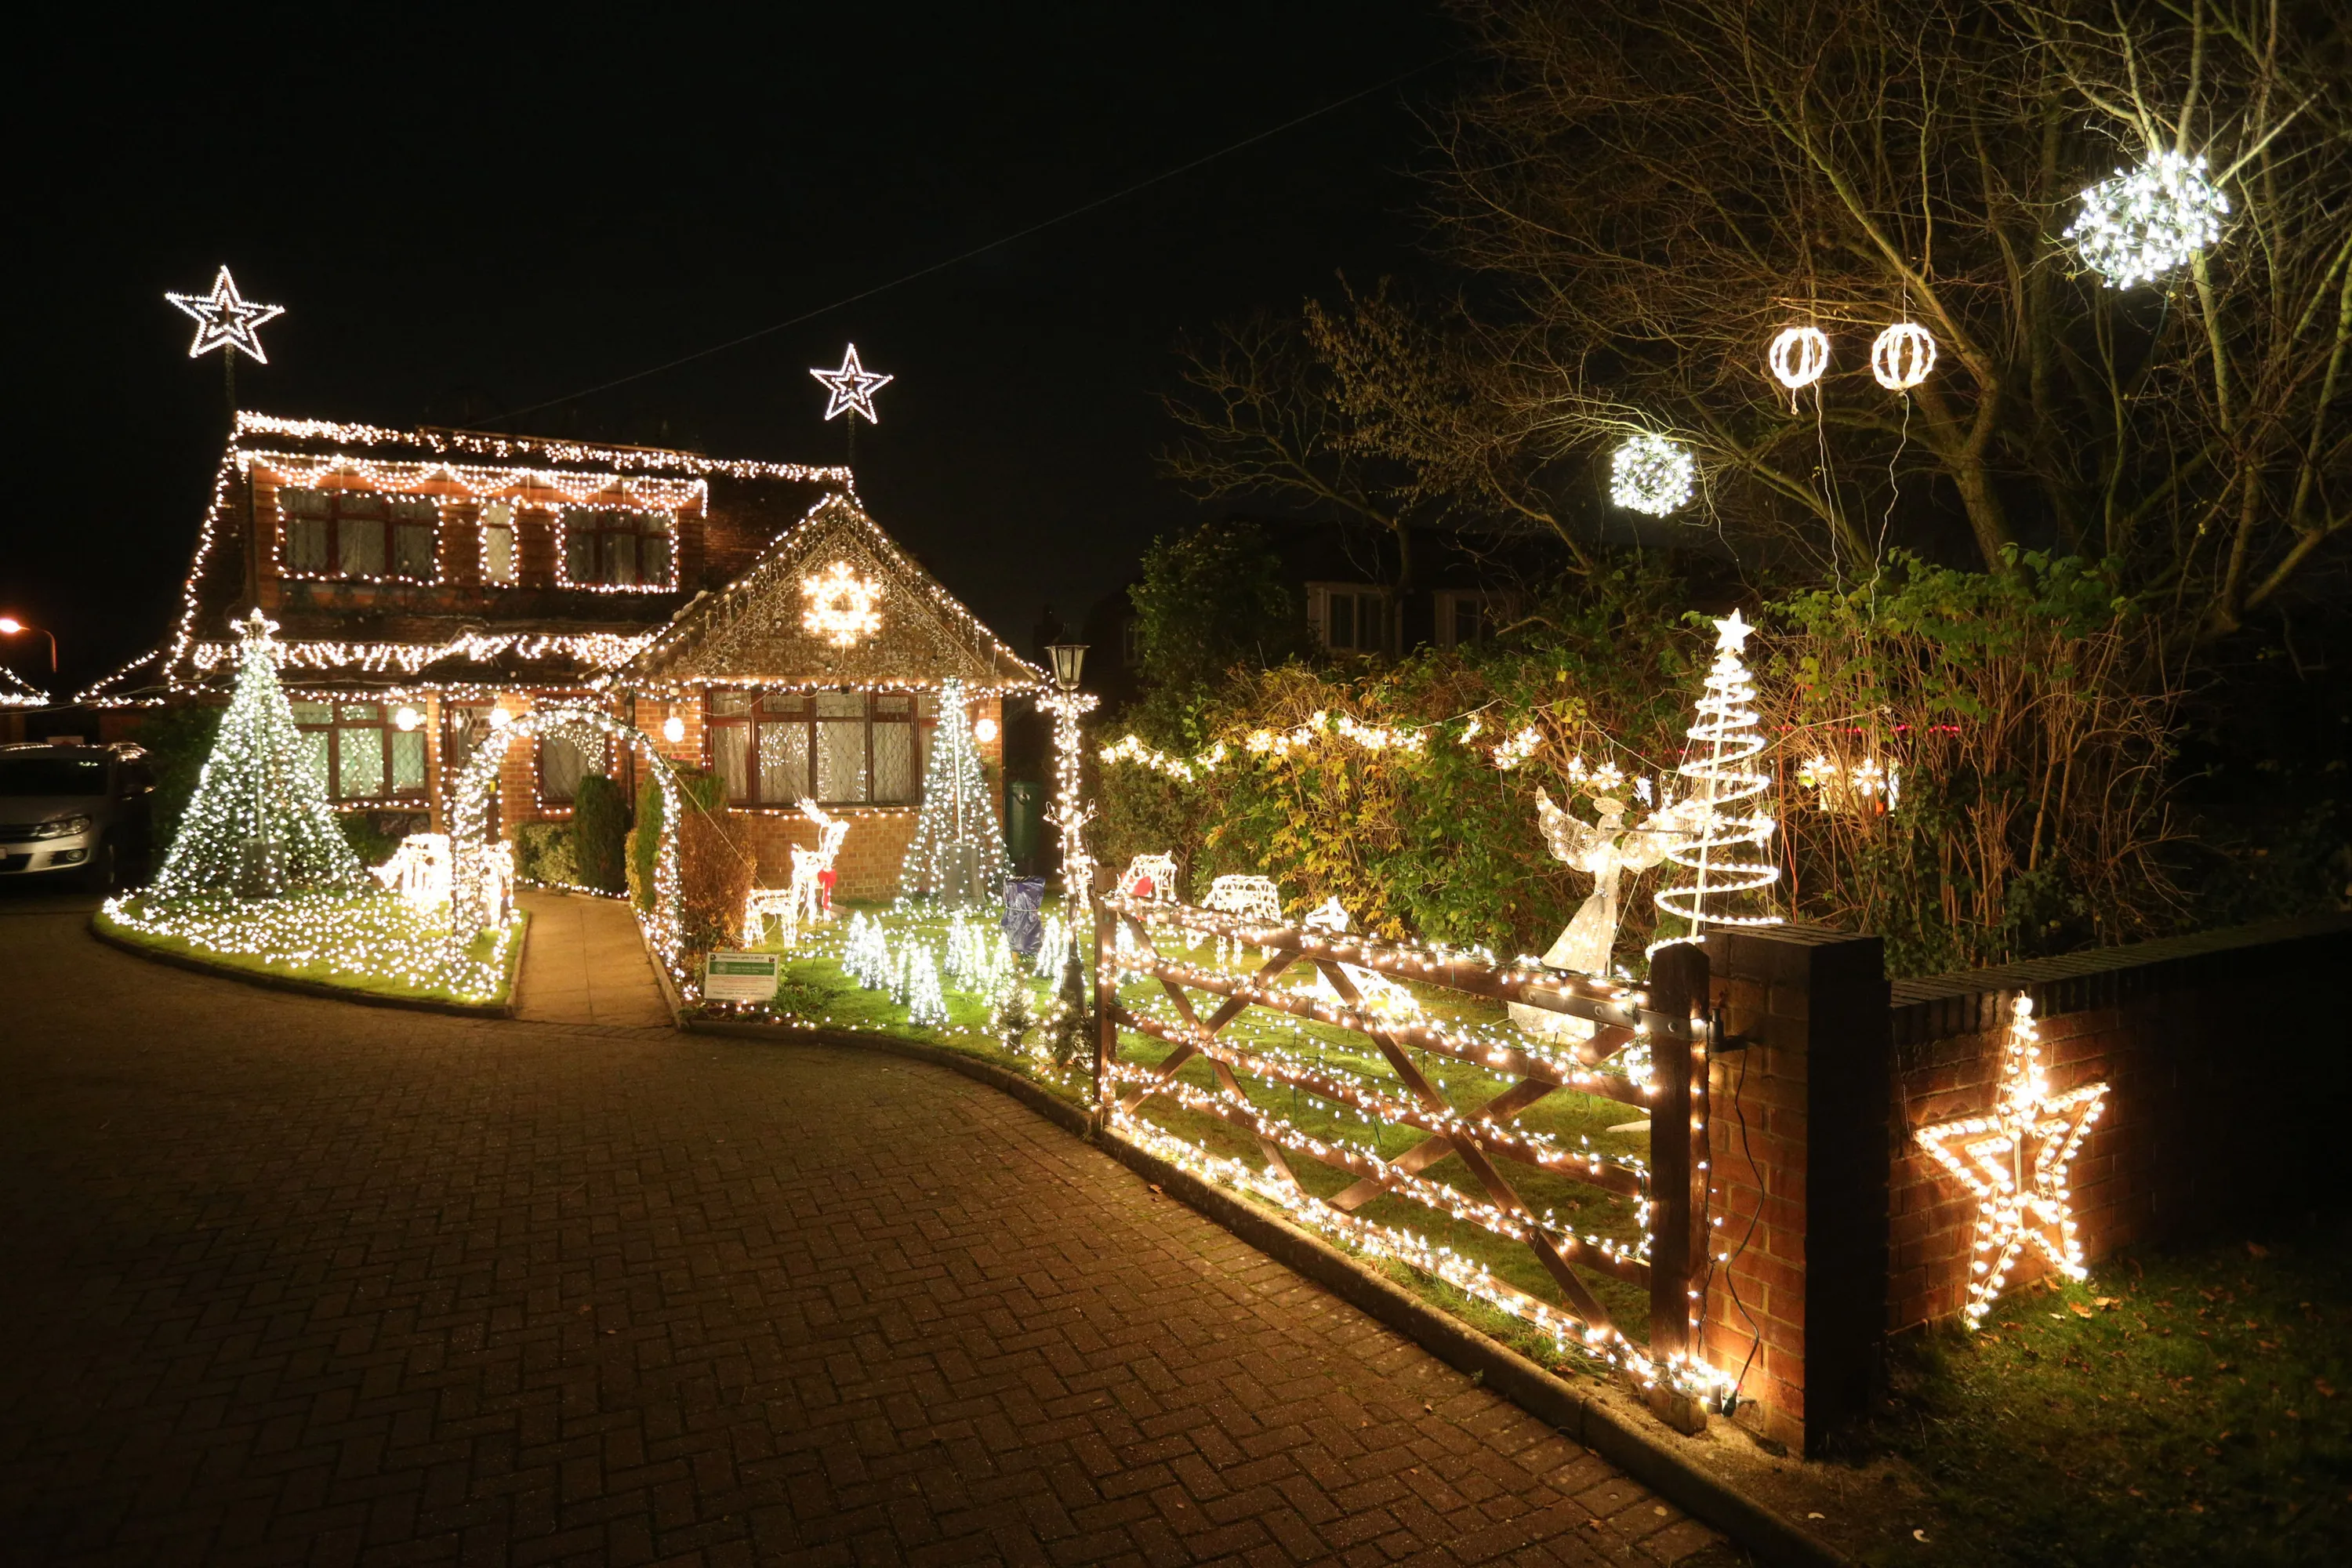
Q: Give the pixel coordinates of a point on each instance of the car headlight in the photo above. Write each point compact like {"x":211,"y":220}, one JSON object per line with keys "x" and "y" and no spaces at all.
{"x":61,"y":827}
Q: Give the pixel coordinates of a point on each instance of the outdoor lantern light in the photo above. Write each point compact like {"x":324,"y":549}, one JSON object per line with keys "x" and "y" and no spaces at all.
{"x":673,"y":729}
{"x":1069,"y":659}
{"x":984,"y":730}
{"x":407,"y":719}
{"x":500,"y":718}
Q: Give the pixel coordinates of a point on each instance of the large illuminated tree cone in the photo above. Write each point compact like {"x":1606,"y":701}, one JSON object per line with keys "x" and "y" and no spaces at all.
{"x":958,"y":857}
{"x":260,"y":823}
{"x":1720,"y":826}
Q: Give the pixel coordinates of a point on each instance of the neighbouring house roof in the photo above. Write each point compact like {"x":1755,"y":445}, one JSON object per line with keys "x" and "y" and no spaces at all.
{"x":455,"y":632}
{"x":17,"y":692}
{"x":757,"y":631}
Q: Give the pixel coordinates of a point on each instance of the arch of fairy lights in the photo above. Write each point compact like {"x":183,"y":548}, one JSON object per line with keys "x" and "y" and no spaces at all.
{"x":469,"y":823}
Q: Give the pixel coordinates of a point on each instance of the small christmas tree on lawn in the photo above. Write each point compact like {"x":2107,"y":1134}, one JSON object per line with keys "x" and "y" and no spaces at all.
{"x":1724,"y":848}
{"x":958,"y":855}
{"x":260,"y":823}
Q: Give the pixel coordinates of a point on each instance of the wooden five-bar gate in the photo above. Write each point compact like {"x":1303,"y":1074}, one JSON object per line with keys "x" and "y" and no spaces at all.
{"x":1666,"y":1015}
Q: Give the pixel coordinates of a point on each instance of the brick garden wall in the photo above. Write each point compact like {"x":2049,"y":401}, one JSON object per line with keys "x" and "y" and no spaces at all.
{"x":2226,"y":1070}
{"x":2227,"y":1075}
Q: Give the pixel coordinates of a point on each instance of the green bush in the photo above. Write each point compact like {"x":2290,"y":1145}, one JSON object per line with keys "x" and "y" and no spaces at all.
{"x":600,"y":828}
{"x":177,"y":739}
{"x":543,"y":854}
{"x":368,"y":837}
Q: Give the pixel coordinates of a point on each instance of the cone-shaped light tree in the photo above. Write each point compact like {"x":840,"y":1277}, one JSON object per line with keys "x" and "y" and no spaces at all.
{"x":260,"y":823}
{"x":1720,"y":826}
{"x":958,"y":855}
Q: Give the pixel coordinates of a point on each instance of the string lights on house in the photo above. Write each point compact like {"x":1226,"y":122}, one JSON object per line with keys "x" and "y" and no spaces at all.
{"x":2014,"y":1161}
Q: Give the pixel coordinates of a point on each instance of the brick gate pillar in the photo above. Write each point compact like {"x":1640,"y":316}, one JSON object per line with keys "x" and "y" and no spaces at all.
{"x":1797,"y":1149}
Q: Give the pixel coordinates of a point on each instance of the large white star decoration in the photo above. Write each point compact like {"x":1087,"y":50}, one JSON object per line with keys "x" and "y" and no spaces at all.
{"x":227,"y":319}
{"x":853,"y":387}
{"x":2014,"y":1160}
{"x":841,"y":605}
{"x":1731,"y":633}
{"x":255,"y":625}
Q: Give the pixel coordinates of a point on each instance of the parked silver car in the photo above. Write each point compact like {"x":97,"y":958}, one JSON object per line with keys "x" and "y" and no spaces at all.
{"x":80,"y":812}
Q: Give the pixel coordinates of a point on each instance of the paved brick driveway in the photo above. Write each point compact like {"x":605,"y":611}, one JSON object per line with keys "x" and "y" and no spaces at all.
{"x":296,"y":1280}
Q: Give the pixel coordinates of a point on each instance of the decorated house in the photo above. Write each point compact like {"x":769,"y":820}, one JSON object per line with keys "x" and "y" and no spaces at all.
{"x":431,"y":584}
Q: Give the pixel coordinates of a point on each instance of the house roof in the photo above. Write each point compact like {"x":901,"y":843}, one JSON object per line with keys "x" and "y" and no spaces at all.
{"x":759,"y":630}
{"x":17,"y":692}
{"x":451,"y":635}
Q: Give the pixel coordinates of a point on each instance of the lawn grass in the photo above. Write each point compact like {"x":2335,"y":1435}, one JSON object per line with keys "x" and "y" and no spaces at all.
{"x":387,"y":921}
{"x":2181,"y":1407}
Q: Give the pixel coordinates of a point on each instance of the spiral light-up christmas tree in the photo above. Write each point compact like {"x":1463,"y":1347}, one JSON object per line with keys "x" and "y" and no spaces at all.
{"x":1718,"y":831}
{"x":260,"y":823}
{"x":958,"y":855}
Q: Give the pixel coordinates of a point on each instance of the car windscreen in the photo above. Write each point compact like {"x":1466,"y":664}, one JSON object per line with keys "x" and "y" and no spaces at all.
{"x":52,"y":775}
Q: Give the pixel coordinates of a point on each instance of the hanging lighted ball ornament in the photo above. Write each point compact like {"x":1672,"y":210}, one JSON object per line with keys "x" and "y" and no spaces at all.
{"x":674,"y":729}
{"x":500,"y":718}
{"x":2146,"y":222}
{"x":1800,"y":355}
{"x":406,"y":719}
{"x":1901,"y":356}
{"x":984,"y":730}
{"x":1652,"y":475}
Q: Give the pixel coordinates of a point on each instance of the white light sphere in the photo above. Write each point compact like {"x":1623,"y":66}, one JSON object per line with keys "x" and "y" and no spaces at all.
{"x":673,"y":729}
{"x":1652,"y":475}
{"x":500,"y":718}
{"x":984,"y":730}
{"x":1800,"y":355}
{"x":1901,"y":356}
{"x":406,"y":718}
{"x":2146,"y":222}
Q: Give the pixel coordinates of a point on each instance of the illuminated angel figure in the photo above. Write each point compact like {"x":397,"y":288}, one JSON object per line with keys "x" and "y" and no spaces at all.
{"x":1606,"y":849}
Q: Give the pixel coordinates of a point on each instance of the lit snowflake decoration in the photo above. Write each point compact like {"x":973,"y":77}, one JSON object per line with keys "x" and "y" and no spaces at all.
{"x":2149,"y":221}
{"x":1650,"y":474}
{"x":841,"y":605}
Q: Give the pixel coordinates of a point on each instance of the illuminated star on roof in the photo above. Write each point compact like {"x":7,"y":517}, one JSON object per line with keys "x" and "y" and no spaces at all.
{"x":225,"y":319}
{"x":853,"y":387}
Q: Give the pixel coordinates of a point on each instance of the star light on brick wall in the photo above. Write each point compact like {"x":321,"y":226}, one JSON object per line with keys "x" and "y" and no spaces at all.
{"x":2014,"y":1161}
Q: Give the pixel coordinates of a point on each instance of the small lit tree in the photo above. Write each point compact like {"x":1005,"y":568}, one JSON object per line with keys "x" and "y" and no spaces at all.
{"x":1717,"y":830}
{"x":260,"y":823}
{"x":958,"y":855}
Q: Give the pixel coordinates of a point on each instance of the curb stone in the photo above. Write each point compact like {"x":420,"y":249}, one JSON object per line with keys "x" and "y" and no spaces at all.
{"x":1611,"y":1425}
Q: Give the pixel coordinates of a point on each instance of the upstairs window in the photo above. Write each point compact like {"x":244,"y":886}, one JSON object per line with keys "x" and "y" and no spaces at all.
{"x":359,"y":534}
{"x":839,"y":748}
{"x":497,"y":535}
{"x":605,"y":549}
{"x":359,"y":752}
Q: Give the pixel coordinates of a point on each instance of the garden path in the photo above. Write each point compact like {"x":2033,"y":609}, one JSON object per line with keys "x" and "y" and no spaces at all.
{"x":292,"y":1279}
{"x":585,"y":964}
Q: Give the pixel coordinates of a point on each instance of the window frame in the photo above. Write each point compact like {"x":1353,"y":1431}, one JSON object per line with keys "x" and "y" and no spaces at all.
{"x":921,"y":716}
{"x":643,"y":522}
{"x":384,"y":729}
{"x":1356,"y":595}
{"x":512,"y":525}
{"x":336,"y":524}
{"x":601,"y":764}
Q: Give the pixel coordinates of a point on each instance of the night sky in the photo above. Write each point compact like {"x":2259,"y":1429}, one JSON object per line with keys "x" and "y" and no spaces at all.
{"x":467,"y":218}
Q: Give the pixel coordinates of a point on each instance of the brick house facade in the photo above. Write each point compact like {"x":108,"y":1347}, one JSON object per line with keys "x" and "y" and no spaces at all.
{"x":430,"y":584}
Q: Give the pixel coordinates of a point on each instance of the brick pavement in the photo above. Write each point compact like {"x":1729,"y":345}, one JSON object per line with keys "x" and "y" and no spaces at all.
{"x":295,"y":1280}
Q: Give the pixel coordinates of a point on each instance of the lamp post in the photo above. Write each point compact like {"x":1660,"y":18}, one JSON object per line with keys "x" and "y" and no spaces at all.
{"x":1067,"y":704}
{"x":10,"y":625}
